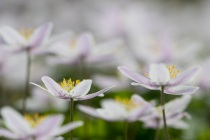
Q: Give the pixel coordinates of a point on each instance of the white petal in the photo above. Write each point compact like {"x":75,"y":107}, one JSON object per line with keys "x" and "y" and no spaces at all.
{"x":88,"y":110}
{"x":185,"y":77}
{"x":7,"y":134}
{"x":179,"y":125}
{"x":133,"y":75}
{"x":81,"y":89}
{"x":39,"y":86}
{"x":181,"y":90}
{"x":138,"y":112}
{"x":66,"y":128}
{"x":92,"y":95}
{"x":159,"y":74}
{"x":84,"y":43}
{"x":54,"y":88}
{"x":108,"y":115}
{"x":114,"y":109}
{"x":40,"y":35}
{"x":48,"y":125}
{"x":12,"y":37}
{"x":177,"y":105}
{"x":148,"y":86}
{"x":137,"y":99}
{"x":15,"y":122}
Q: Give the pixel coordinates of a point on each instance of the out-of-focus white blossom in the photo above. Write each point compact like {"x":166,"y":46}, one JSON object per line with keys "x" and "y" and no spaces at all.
{"x":174,"y":114}
{"x":40,"y":101}
{"x":33,"y":127}
{"x":120,"y":109}
{"x":84,"y":50}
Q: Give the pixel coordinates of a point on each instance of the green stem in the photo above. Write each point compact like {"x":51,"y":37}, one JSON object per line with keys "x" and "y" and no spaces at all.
{"x":157,"y":130}
{"x":162,"y":99}
{"x":83,"y":69}
{"x":1,"y":88}
{"x":84,"y":75}
{"x":71,"y":115}
{"x":125,"y":130}
{"x":27,"y":80}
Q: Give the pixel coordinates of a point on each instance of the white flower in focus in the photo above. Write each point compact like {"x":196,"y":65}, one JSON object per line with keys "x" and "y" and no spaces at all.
{"x":161,"y":75}
{"x":69,"y":89}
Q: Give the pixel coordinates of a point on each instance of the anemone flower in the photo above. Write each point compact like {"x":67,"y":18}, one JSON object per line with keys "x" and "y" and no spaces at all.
{"x":174,"y":114}
{"x":70,"y":90}
{"x":167,"y":79}
{"x":83,"y":48}
{"x":25,"y":39}
{"x":120,"y":109}
{"x":33,"y":127}
{"x":161,"y":75}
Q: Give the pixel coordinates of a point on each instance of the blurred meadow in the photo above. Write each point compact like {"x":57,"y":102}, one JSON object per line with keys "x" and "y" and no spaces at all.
{"x":45,"y":42}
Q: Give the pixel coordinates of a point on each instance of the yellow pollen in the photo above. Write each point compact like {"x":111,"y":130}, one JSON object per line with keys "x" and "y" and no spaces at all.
{"x":73,"y":43}
{"x":34,"y":119}
{"x":69,"y":85}
{"x":26,"y":33}
{"x":147,"y":75}
{"x":126,"y":103}
{"x":173,"y":71}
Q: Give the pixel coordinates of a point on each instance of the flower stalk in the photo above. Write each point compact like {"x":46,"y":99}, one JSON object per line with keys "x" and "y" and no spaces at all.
{"x":83,"y":69}
{"x":71,"y":116}
{"x":157,"y":131}
{"x":162,"y":99}
{"x":1,"y":89}
{"x":27,"y":80}
{"x":125,"y":130}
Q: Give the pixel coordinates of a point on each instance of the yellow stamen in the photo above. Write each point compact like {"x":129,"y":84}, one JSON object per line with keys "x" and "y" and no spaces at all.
{"x":69,"y":85}
{"x":34,"y":119}
{"x":73,"y":43}
{"x":147,"y":75}
{"x":126,"y":103}
{"x":26,"y":33}
{"x":173,"y":71}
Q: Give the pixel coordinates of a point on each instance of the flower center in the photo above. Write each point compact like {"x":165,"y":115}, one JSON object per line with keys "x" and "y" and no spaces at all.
{"x":34,"y":119}
{"x":173,"y":71}
{"x":126,"y":103}
{"x":68,"y":85}
{"x":73,"y":44}
{"x":26,"y":33}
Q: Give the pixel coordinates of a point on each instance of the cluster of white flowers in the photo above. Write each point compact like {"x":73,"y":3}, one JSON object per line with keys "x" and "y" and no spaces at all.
{"x":134,"y":44}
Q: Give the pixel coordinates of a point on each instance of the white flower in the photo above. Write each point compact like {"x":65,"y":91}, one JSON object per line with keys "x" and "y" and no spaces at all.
{"x":25,"y":39}
{"x":119,"y":109}
{"x":83,"y":48}
{"x":29,"y":127}
{"x":162,"y":75}
{"x":70,"y":90}
{"x":174,"y":114}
